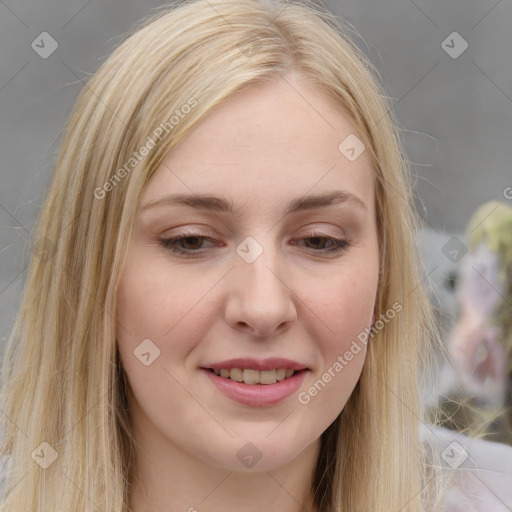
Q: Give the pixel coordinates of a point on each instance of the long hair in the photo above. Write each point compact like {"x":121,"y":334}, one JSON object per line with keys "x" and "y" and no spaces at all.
{"x":66,"y":428}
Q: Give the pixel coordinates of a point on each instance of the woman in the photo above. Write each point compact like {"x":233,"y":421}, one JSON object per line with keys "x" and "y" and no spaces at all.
{"x":256,"y":370}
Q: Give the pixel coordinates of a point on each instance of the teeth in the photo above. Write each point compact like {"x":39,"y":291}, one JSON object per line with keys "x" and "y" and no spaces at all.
{"x":236,"y":374}
{"x":251,"y":376}
{"x":254,"y":376}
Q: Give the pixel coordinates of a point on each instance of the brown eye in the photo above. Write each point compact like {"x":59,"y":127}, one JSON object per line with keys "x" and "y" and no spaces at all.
{"x":318,"y":243}
{"x":188,"y":244}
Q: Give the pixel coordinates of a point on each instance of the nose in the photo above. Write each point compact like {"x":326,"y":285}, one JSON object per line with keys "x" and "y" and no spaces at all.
{"x":261,"y":301}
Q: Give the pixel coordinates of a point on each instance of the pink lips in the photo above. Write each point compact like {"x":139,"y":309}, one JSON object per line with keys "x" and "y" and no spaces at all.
{"x":257,"y":364}
{"x":257,"y":395}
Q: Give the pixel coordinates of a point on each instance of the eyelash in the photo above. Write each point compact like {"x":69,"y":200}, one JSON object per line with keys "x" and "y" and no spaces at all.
{"x":169,"y":244}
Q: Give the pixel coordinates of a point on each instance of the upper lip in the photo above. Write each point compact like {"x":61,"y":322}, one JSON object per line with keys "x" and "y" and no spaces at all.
{"x":272,"y":363}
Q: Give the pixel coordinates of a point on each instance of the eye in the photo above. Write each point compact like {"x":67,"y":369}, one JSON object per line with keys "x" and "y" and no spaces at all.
{"x":184,"y":244}
{"x":190,"y":244}
{"x":337,"y":245}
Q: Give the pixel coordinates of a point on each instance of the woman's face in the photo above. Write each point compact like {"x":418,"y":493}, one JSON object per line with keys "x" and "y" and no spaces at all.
{"x":256,"y":276}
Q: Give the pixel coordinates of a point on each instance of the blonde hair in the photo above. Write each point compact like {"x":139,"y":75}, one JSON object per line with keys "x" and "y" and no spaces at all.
{"x":62,"y":380}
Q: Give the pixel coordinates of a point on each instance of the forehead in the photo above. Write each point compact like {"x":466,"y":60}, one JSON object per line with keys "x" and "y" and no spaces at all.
{"x":265,"y":142}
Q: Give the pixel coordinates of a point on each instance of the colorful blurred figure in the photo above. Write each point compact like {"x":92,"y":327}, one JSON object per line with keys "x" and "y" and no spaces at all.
{"x":481,"y":342}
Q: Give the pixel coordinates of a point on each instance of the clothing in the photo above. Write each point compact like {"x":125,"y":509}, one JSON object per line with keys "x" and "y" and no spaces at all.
{"x":478,"y":472}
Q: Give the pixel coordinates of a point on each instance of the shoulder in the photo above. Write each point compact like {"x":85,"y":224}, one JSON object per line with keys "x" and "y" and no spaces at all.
{"x":477,"y":473}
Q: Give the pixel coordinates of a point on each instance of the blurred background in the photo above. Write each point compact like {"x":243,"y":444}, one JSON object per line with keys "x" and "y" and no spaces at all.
{"x":447,"y":66}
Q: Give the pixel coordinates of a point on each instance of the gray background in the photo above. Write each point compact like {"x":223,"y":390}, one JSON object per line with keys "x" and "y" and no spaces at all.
{"x":455,"y":112}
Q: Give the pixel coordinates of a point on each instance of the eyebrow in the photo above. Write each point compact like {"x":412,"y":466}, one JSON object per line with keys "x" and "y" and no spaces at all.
{"x":220,"y":204}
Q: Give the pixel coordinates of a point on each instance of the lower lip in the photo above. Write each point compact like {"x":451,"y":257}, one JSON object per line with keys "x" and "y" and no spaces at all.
{"x":258,"y":395}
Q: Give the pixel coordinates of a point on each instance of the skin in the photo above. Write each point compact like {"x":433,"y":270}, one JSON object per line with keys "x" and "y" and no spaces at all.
{"x":261,"y":148}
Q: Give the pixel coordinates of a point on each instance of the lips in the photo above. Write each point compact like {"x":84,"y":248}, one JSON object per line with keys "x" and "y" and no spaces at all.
{"x":257,"y":394}
{"x":256,"y":382}
{"x":272,"y":363}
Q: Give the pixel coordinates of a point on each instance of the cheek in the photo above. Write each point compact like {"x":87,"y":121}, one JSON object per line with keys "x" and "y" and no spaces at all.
{"x":346,"y":309}
{"x":151,"y":300}
{"x":146,"y":310}
{"x":154,"y":330}
{"x":344,"y":302}
{"x":340,"y":310}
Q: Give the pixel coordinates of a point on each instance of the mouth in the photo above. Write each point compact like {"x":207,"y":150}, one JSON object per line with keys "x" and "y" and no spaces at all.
{"x":256,"y":387}
{"x":252,"y":376}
